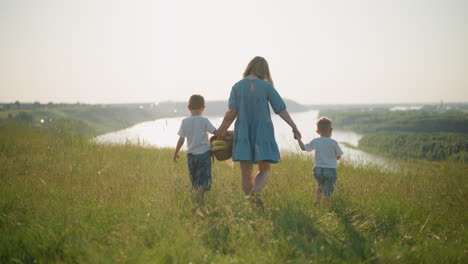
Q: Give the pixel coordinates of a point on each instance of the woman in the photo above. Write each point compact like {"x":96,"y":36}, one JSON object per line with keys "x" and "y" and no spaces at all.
{"x":254,"y":138}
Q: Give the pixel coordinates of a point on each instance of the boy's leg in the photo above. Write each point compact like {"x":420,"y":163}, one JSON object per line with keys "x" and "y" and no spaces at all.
{"x":329,"y":184}
{"x":247,"y":180}
{"x":200,"y":172}
{"x":318,"y":175}
{"x":204,"y":175}
{"x":318,"y":194}
{"x":200,"y":194}
{"x":262,"y":176}
{"x":192,"y":167}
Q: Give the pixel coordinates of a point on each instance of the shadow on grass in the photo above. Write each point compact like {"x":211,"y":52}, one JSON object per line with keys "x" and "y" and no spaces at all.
{"x":298,"y":235}
{"x":301,"y":238}
{"x":307,"y":239}
{"x":358,"y":245}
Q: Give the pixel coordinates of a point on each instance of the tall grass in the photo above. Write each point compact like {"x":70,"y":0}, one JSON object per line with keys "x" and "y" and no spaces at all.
{"x":64,"y":199}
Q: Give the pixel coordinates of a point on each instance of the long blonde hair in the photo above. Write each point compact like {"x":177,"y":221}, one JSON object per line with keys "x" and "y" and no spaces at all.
{"x":258,"y":66}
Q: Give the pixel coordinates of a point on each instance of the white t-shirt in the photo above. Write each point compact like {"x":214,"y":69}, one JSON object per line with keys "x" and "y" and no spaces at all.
{"x":194,"y":128}
{"x":326,"y":151}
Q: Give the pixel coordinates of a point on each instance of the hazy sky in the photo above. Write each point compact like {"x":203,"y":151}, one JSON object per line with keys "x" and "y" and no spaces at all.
{"x":349,"y":51}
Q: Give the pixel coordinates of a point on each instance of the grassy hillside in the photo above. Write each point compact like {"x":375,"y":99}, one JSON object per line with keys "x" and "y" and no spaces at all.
{"x":85,"y":120}
{"x":64,"y":199}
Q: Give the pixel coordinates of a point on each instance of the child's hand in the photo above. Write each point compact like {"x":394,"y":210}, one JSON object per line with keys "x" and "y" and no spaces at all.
{"x":301,"y":144}
{"x":176,"y":157}
{"x":180,"y":142}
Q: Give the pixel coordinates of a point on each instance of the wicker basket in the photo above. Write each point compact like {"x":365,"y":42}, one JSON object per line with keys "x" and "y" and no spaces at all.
{"x":221,"y":149}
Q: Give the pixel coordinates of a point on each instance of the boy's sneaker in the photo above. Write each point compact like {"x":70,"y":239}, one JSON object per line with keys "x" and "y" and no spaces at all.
{"x":199,"y":199}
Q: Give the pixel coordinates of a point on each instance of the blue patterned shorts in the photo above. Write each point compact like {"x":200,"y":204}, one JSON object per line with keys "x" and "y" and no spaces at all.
{"x":326,"y":179}
{"x":200,"y":170}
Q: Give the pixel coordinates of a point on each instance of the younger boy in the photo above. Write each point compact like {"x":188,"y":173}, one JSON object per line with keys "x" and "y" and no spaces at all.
{"x":195,"y":128}
{"x":327,"y":152}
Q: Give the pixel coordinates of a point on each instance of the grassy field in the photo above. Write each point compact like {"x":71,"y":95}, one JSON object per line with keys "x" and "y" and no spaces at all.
{"x":64,"y":199}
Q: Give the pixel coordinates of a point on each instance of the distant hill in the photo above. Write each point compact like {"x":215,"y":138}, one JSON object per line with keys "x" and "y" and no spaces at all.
{"x":94,"y":119}
{"x":219,"y":108}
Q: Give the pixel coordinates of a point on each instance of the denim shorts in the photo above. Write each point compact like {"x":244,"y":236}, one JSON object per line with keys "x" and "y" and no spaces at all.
{"x":200,"y":170}
{"x":326,"y":179}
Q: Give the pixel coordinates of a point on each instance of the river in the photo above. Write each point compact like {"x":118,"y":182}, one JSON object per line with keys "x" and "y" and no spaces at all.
{"x":163,"y":133}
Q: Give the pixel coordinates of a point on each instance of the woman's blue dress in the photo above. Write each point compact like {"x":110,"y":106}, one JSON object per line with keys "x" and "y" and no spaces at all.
{"x":254,"y":135}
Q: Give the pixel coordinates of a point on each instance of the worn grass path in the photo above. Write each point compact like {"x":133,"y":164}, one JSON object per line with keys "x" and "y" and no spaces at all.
{"x":68,"y":200}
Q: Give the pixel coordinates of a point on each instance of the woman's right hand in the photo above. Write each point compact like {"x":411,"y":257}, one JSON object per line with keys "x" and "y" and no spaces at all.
{"x":219,"y":134}
{"x":229,"y":117}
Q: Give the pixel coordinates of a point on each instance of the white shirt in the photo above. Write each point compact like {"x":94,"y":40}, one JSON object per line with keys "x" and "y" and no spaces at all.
{"x":326,"y":151}
{"x":195,"y":129}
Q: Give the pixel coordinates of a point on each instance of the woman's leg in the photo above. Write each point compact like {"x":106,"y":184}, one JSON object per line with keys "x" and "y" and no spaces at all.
{"x":262,"y":176}
{"x":247,"y":180}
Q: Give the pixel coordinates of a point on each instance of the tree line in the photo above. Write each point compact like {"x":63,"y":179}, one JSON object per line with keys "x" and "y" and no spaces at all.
{"x":429,"y":133}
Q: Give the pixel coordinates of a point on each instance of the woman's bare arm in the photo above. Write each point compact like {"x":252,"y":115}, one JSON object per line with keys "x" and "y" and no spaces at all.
{"x":229,"y":117}
{"x":287,"y":118}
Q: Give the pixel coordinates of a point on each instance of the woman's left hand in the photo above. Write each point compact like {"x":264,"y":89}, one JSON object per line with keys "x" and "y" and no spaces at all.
{"x":297,"y":133}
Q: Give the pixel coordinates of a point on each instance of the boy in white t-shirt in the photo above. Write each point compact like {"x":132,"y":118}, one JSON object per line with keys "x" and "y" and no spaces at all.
{"x":327,"y":152}
{"x":195,"y":128}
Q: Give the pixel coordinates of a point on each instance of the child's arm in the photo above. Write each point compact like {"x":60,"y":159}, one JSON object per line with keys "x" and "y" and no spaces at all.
{"x":180,"y":143}
{"x":301,"y":144}
{"x":210,"y":128}
{"x":338,"y":152}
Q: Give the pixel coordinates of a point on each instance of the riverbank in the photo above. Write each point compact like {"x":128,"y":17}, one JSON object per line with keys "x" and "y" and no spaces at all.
{"x":162,"y":133}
